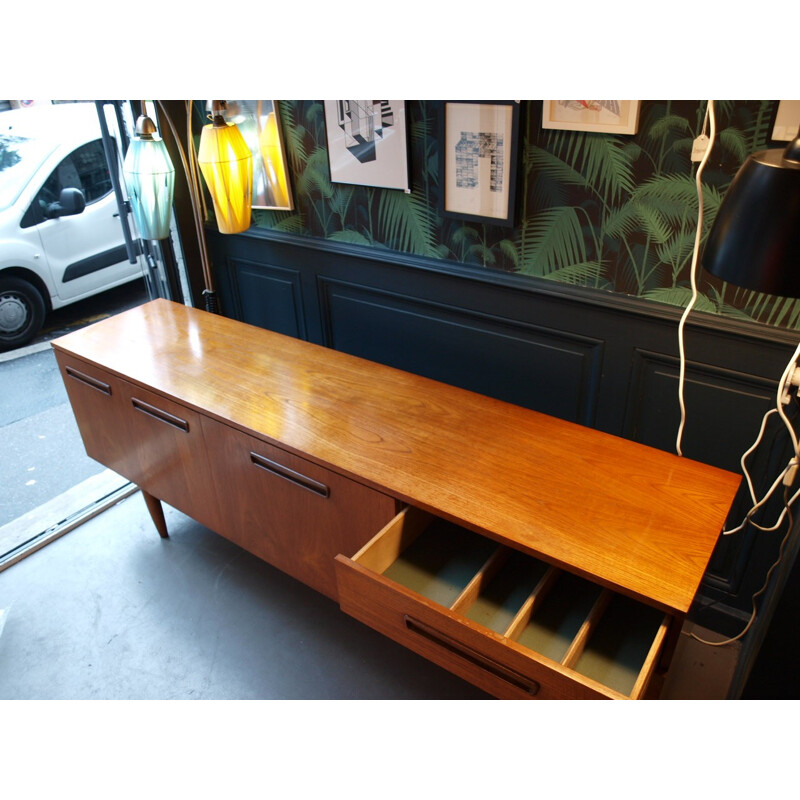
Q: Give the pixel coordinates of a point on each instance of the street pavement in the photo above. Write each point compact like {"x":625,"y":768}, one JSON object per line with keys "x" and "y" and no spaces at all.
{"x":42,"y":451}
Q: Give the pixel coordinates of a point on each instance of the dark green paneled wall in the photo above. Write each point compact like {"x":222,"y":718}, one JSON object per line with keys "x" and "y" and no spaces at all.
{"x":615,"y":213}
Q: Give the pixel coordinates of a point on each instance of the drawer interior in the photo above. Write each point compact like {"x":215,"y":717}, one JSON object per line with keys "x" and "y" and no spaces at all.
{"x":606,"y":637}
{"x":614,"y":655}
{"x":440,"y":563}
{"x":562,"y":611}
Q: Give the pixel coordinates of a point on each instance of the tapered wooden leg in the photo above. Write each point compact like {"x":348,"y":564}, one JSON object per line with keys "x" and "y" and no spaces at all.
{"x":156,"y":514}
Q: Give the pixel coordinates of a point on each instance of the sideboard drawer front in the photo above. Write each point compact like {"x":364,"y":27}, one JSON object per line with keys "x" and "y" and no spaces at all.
{"x":289,"y":511}
{"x":498,"y":618}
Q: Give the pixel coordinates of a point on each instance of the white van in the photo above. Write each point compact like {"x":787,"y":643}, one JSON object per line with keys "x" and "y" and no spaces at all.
{"x":61,"y":239}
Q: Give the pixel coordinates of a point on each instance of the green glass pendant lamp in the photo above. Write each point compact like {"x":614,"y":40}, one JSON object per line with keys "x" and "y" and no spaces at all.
{"x":150,"y":178}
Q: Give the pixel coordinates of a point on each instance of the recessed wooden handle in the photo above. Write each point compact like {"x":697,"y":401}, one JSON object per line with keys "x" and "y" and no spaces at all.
{"x":161,"y":416}
{"x":87,"y":380}
{"x":290,"y":475}
{"x":473,"y":656}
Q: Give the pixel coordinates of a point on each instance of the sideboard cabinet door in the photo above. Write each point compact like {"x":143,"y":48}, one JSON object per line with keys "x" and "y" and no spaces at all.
{"x":99,"y":407}
{"x":145,"y":437}
{"x":168,"y":456}
{"x":290,"y":512}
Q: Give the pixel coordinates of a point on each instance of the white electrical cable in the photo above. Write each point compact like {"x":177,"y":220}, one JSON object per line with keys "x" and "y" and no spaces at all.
{"x":693,"y":274}
{"x":784,"y":383}
{"x":752,"y":449}
{"x":783,"y":386}
{"x":787,"y":475}
{"x":787,"y":503}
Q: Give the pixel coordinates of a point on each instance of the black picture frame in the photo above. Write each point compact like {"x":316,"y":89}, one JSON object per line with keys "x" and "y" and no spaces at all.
{"x":368,"y":143}
{"x":480,"y":142}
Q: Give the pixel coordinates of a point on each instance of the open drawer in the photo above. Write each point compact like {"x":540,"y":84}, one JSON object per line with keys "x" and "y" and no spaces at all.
{"x":506,"y":622}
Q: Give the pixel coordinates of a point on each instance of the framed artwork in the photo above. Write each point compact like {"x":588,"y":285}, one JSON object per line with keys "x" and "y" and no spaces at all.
{"x":367,"y":142}
{"x":260,"y":124}
{"x":787,"y":121}
{"x":600,"y":116}
{"x":480,"y":160}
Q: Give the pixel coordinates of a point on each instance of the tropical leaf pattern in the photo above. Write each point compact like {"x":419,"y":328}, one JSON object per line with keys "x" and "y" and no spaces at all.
{"x":407,"y":223}
{"x":551,"y":240}
{"x":617,"y":213}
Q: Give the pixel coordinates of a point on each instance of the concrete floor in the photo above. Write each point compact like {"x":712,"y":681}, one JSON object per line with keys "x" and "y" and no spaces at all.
{"x":111,"y":611}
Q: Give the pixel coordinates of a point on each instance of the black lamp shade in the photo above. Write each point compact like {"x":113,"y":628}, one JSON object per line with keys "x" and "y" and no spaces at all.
{"x":755,"y":239}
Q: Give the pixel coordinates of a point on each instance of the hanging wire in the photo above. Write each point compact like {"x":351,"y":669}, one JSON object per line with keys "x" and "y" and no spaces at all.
{"x":785,"y":476}
{"x":788,"y":513}
{"x":710,"y":118}
{"x":195,"y":194}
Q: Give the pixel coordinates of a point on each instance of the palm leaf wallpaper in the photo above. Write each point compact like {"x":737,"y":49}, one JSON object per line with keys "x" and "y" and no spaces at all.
{"x":615,"y":213}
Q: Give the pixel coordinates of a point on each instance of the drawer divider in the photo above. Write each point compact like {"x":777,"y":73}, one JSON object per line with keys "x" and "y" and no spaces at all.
{"x":575,"y":650}
{"x":534,"y":599}
{"x":387,"y":545}
{"x":480,"y":579}
{"x":651,"y":662}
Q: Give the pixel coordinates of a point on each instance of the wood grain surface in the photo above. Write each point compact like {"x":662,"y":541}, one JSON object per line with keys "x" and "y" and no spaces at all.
{"x":295,"y":528}
{"x":628,"y":516}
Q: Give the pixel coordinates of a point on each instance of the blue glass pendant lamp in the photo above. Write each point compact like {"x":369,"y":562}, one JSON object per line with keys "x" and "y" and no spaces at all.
{"x":150,"y":178}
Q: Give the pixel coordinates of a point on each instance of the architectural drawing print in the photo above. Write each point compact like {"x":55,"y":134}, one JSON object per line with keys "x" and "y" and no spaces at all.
{"x":470,"y":149}
{"x":479,"y":160}
{"x":368,"y":143}
{"x":364,"y":123}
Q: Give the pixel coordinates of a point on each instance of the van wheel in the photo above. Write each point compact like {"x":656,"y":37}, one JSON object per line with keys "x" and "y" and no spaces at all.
{"x":21,"y":312}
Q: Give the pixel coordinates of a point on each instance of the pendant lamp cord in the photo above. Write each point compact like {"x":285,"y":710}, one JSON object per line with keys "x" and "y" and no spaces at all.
{"x":710,"y":119}
{"x":190,"y":169}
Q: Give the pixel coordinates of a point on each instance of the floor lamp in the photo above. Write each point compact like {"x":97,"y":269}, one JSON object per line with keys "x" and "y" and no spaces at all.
{"x":755,"y":239}
{"x":755,"y":243}
{"x":226,"y":165}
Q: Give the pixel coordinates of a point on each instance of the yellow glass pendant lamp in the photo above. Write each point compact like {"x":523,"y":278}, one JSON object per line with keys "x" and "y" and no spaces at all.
{"x":270,"y":146}
{"x":227,"y":167}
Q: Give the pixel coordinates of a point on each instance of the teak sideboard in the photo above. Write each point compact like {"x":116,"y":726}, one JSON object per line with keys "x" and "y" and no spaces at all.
{"x":531,"y":556}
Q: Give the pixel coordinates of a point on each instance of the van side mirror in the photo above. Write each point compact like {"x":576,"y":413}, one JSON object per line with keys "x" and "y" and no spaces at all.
{"x":70,"y":202}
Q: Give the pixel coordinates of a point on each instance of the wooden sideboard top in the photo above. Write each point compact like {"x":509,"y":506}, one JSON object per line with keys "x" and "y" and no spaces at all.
{"x":623,"y":514}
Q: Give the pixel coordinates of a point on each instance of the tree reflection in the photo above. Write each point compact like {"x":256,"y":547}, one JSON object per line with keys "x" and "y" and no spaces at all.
{"x":8,"y":152}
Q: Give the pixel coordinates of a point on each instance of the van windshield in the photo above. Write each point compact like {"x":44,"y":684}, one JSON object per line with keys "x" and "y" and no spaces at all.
{"x":20,"y":157}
